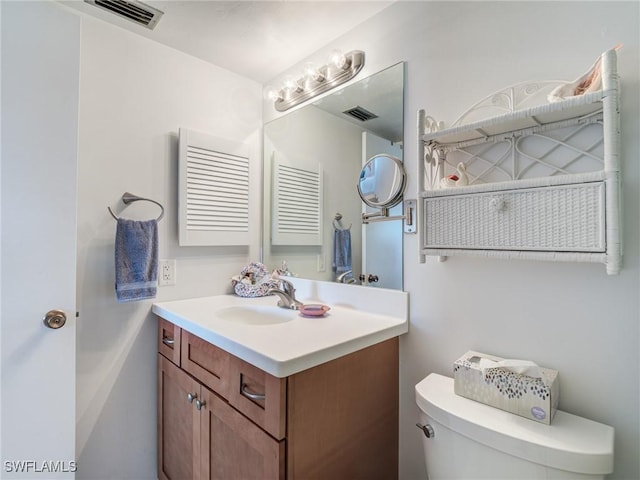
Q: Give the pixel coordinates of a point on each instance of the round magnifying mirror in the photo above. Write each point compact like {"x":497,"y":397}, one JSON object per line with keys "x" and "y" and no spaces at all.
{"x":382,"y":181}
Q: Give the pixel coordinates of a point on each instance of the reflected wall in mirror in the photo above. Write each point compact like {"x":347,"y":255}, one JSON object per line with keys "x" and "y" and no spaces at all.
{"x":313,"y":159}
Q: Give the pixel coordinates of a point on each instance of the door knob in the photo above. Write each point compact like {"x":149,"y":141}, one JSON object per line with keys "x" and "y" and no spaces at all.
{"x":55,"y":319}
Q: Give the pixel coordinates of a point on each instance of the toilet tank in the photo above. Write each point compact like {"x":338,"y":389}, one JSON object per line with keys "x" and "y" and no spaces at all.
{"x":475,"y":441}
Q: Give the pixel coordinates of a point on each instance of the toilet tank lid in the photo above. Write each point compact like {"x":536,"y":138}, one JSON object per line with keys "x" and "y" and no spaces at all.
{"x":570,"y":443}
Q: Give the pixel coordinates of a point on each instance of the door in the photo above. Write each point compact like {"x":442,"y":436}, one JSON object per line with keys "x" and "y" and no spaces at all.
{"x":382,"y":241}
{"x":40,"y":76}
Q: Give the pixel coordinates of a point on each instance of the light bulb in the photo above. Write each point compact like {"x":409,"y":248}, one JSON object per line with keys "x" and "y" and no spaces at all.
{"x":338,"y":59}
{"x":273,"y":94}
{"x":291,"y":84}
{"x":312,"y":73}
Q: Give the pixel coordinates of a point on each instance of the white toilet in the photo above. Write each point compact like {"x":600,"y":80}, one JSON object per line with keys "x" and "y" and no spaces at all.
{"x":469,"y":440}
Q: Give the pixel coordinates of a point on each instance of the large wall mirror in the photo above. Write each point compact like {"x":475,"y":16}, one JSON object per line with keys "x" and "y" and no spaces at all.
{"x":313,"y":161}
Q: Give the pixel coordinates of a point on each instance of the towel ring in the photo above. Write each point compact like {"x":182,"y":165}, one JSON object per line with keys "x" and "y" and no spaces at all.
{"x":336,"y":222}
{"x":128,"y":198}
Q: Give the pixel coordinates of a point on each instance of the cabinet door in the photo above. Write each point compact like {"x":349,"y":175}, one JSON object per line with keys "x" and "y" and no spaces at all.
{"x":178,"y":424}
{"x":233,"y":447}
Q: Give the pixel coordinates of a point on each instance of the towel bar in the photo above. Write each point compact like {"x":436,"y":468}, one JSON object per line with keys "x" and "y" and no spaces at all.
{"x":336,"y":223}
{"x":128,"y":198}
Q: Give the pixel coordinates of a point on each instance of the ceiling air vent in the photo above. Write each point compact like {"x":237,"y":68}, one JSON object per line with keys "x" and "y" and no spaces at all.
{"x":360,"y":113}
{"x":132,"y":10}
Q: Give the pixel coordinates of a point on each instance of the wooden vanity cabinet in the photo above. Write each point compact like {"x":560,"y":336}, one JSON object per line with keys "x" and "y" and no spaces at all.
{"x":201,"y":437}
{"x":337,"y":420}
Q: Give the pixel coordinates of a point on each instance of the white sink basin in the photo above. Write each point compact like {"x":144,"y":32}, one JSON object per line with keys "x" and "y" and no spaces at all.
{"x":256,"y":314}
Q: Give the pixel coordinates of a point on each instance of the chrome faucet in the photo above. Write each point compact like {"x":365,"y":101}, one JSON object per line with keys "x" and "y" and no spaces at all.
{"x":287,"y":295}
{"x":346,"y":277}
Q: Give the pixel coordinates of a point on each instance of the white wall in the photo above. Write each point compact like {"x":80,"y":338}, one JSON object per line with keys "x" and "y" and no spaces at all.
{"x":306,"y":137}
{"x":134,"y":96}
{"x":571,"y":317}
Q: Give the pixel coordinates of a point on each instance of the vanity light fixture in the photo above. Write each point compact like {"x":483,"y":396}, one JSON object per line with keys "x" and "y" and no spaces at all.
{"x":340,"y":69}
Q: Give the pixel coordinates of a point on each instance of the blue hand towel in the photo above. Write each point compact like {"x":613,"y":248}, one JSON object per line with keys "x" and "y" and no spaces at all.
{"x":341,"y":251}
{"x":136,"y":255}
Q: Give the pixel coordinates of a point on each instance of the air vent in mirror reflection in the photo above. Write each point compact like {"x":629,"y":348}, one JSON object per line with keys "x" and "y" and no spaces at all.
{"x":360,"y":113}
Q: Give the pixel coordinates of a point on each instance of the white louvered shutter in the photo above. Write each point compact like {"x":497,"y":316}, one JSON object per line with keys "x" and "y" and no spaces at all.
{"x":213,"y":190}
{"x":297,"y":205}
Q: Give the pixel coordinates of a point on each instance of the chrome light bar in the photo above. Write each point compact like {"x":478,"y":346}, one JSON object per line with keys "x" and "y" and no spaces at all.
{"x":339,"y":70}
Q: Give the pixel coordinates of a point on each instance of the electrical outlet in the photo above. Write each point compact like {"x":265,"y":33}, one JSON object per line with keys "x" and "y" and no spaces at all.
{"x":167,"y":273}
{"x":321,"y":264}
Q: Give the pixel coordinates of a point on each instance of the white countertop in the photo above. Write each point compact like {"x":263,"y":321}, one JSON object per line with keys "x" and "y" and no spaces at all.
{"x":299,"y":343}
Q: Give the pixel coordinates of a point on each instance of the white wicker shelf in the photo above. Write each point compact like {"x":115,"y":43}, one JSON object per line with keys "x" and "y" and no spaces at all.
{"x":544,"y":180}
{"x":547,"y":116}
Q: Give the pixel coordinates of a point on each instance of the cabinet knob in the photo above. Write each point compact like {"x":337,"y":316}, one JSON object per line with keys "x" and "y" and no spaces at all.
{"x":168,"y":341}
{"x":497,"y":204}
{"x":191,"y":397}
{"x":200,"y":404}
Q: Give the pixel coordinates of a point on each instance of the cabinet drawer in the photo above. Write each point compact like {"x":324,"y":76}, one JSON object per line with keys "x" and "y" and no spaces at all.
{"x":258,"y":395}
{"x":206,"y":362}
{"x":169,"y":340}
{"x":565,"y":218}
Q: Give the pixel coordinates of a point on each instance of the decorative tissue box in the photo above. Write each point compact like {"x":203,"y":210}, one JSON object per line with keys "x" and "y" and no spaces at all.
{"x":517,"y":386}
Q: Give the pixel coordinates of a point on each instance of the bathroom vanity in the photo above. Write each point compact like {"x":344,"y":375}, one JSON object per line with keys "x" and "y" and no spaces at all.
{"x":250,"y":390}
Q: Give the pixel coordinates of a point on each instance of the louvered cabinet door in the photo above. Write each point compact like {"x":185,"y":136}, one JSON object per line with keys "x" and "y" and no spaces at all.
{"x":214,"y":190}
{"x":297,"y":204}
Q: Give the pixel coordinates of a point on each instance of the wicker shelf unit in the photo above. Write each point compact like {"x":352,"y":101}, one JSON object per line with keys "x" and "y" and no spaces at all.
{"x":543,"y":178}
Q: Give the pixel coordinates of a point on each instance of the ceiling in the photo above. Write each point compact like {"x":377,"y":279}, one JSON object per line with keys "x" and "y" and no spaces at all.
{"x":256,"y":39}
